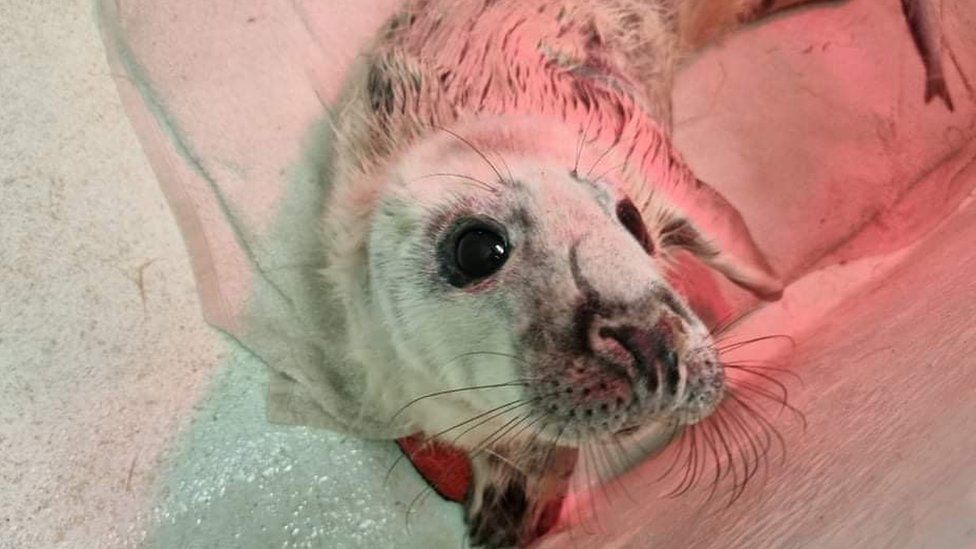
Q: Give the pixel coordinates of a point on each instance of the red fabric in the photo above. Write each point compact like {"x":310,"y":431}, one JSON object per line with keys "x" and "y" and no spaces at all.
{"x":446,"y":468}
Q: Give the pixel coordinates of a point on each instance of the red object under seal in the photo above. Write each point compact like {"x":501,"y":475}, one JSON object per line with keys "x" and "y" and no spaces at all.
{"x":445,"y":468}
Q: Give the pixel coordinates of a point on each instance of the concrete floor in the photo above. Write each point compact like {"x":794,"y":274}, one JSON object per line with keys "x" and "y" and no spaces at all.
{"x":102,"y":347}
{"x":125,"y":420}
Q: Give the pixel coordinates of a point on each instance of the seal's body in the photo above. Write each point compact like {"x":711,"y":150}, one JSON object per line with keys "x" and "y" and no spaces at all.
{"x":505,"y":207}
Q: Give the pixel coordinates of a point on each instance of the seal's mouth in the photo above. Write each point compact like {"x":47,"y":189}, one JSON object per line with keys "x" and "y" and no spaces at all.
{"x":629,"y":430}
{"x":588,"y":400}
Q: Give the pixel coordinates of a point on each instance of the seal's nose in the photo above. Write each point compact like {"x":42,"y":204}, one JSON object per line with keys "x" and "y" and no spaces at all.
{"x":646,"y":355}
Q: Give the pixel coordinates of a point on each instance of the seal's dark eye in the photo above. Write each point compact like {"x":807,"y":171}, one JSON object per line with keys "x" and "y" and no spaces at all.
{"x":631,"y":219}
{"x":480,"y":252}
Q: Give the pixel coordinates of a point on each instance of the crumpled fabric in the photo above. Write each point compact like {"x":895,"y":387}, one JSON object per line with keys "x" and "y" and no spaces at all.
{"x":812,"y":124}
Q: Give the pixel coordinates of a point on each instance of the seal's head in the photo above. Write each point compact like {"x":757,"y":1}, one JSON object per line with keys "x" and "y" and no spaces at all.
{"x":508,"y":273}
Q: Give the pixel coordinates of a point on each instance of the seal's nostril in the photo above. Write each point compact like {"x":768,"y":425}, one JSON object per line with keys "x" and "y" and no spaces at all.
{"x":639,"y":355}
{"x":669,"y":359}
{"x":614,"y":344}
{"x":633,"y":347}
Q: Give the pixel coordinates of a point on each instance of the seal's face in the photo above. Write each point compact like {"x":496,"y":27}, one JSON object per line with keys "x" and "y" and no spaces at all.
{"x":540,"y":288}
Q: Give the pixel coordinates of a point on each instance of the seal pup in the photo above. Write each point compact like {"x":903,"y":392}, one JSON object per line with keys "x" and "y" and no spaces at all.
{"x":505,"y":206}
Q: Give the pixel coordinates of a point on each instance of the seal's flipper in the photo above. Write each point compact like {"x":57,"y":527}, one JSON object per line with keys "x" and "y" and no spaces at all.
{"x":703,"y":22}
{"x":711,"y":228}
{"x":927,"y":35}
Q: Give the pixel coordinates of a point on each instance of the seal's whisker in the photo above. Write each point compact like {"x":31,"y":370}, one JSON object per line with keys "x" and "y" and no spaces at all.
{"x":741,"y":422}
{"x":645,"y":201}
{"x":620,"y":463}
{"x":492,"y":414}
{"x":693,"y":464}
{"x":687,"y":443}
{"x":678,"y":453}
{"x":578,"y":487}
{"x":766,"y":446}
{"x":488,"y":443}
{"x":738,"y":345}
{"x":765,"y":443}
{"x":518,"y":402}
{"x":761,"y":365}
{"x":750,"y":463}
{"x":476,"y":150}
{"x":599,"y":160}
{"x":728,"y":442}
{"x":491,"y":353}
{"x":690,"y":464}
{"x":719,"y":325}
{"x":551,"y":453}
{"x":764,"y":366}
{"x":598,"y":464}
{"x":490,"y":439}
{"x":579,"y":146}
{"x":508,"y":169}
{"x":415,"y":501}
{"x":739,"y":461}
{"x":758,"y":417}
{"x":584,"y":499}
{"x":707,"y":431}
{"x":483,"y":421}
{"x":604,"y":454}
{"x":513,"y":383}
{"x":519,"y":454}
{"x":767,"y":379}
{"x":466,"y":178}
{"x":607,"y":172}
{"x":526,"y":446}
{"x":702,"y":458}
{"x":762,"y":392}
{"x":595,"y":484}
{"x":612,"y":481}
{"x":727,"y":322}
{"x":784,"y":402}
